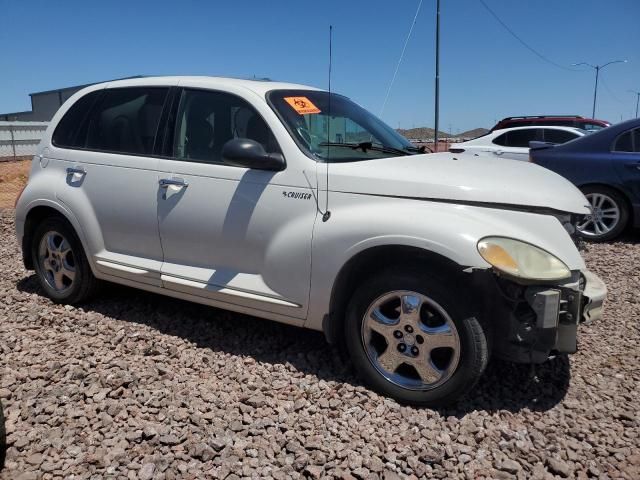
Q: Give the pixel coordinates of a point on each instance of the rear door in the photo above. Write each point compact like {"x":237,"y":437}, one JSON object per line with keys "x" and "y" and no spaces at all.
{"x":112,"y":178}
{"x":626,"y":158}
{"x":239,"y":237}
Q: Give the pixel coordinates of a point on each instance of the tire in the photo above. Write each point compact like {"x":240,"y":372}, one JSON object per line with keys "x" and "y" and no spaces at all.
{"x":442,"y":308}
{"x":55,"y":275}
{"x":3,"y":438}
{"x":599,"y":227}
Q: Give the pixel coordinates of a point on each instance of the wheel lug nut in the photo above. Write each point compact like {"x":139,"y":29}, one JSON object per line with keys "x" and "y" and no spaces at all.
{"x":419,"y":339}
{"x":397,"y":334}
{"x":414,"y":351}
{"x":402,"y":347}
{"x":408,"y":329}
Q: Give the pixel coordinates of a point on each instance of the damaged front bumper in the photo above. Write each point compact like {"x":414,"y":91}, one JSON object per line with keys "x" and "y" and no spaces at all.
{"x":533,"y":322}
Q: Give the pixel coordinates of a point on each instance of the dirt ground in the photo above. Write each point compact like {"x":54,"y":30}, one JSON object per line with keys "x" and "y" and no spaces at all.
{"x":13,"y":176}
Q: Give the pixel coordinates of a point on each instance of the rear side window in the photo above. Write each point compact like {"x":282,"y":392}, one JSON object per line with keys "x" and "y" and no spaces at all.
{"x":68,"y":132}
{"x":558,"y":136}
{"x":518,"y":138}
{"x":126,"y":120}
{"x":628,"y":141}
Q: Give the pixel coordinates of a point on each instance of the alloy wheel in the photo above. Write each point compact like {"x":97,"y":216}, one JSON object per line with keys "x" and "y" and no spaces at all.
{"x":604,"y":217}
{"x":57,"y":261}
{"x":411,"y":340}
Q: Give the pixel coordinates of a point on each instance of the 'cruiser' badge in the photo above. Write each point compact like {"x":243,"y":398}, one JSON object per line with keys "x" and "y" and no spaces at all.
{"x":298,"y":195}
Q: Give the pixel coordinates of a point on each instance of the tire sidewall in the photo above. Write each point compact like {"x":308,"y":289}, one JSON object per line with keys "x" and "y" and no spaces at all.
{"x":82,"y":269}
{"x":473,"y":354}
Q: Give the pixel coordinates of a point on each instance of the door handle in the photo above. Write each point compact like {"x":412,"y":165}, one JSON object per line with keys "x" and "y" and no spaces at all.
{"x":76,"y":171}
{"x":498,"y":152}
{"x":176,"y":182}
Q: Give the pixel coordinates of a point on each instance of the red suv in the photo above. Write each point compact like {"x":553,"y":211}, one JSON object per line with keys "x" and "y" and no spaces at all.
{"x":589,"y":124}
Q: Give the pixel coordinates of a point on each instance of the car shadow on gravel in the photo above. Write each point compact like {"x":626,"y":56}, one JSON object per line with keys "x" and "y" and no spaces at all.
{"x":504,"y":386}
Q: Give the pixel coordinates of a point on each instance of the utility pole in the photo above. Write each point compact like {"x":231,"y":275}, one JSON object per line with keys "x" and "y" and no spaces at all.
{"x":597,"y":68}
{"x":437,"y":103}
{"x":637,"y":100}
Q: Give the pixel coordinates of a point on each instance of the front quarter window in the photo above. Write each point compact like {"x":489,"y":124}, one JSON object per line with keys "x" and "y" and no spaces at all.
{"x":332,"y":128}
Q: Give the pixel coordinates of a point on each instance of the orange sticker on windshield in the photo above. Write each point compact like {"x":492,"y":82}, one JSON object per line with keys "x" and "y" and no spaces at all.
{"x":302,"y":105}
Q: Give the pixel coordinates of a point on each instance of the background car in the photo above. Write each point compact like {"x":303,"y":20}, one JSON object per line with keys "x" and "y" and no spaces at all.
{"x":576,"y":121}
{"x":605,"y":165}
{"x":513,"y":143}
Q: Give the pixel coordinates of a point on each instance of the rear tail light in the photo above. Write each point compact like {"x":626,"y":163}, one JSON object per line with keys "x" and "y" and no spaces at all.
{"x":456,"y":150}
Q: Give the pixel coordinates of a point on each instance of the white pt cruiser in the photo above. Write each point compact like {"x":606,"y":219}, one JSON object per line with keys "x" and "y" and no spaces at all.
{"x":292,"y":204}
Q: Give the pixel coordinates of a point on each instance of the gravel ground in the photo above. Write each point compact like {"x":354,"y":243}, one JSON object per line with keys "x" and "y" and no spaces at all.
{"x":135,"y":385}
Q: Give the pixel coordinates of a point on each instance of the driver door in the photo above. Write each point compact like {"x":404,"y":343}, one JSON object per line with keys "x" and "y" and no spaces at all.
{"x":232,"y":235}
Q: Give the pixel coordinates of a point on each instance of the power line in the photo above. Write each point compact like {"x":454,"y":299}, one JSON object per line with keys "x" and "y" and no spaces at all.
{"x":524,"y":44}
{"x":613,"y":95}
{"x":406,"y":41}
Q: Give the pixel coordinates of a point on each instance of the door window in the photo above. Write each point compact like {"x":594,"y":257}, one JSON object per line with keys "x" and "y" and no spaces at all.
{"x":207,"y":120}
{"x":126,"y":120}
{"x":518,"y":138}
{"x":628,"y":142}
{"x":558,"y":136}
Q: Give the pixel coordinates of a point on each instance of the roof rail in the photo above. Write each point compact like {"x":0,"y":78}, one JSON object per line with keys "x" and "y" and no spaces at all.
{"x":541,"y":116}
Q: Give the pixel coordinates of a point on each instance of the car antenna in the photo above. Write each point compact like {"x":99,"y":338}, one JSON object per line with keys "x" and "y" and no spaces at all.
{"x":327,"y":214}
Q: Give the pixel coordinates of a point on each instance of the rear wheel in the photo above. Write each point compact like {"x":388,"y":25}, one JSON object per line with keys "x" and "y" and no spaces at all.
{"x":609,"y":215}
{"x":411,"y":338}
{"x":60,"y":262}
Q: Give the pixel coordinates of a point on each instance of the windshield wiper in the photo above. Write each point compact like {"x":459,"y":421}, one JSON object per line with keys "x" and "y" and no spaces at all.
{"x":364,"y":146}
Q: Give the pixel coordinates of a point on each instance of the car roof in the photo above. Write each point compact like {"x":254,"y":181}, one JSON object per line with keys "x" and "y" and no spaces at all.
{"x":601,"y":140}
{"x":552,"y":127}
{"x":259,"y":86}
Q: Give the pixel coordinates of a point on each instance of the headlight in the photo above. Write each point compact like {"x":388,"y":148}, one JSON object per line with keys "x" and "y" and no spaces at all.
{"x":521,"y":259}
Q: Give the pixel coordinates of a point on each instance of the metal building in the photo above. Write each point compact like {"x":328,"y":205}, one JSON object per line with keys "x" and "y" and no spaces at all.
{"x":45,"y":104}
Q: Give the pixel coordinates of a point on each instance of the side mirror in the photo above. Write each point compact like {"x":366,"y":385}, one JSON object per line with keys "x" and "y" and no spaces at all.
{"x":244,"y":152}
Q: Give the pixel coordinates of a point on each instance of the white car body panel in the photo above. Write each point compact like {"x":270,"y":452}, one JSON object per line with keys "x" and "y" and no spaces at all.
{"x":233,"y":239}
{"x":484,"y":145}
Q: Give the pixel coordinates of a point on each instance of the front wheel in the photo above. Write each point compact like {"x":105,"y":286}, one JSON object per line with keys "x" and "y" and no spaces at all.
{"x":412,"y":338}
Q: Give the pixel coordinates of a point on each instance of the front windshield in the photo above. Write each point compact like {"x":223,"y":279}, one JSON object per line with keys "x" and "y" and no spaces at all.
{"x":349,"y":134}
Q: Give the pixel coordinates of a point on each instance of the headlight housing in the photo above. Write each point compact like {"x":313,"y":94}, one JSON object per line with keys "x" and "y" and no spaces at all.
{"x":522,"y":260}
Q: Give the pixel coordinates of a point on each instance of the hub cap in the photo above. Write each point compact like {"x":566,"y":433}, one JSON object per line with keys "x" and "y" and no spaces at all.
{"x":57,"y":261}
{"x":604,"y":217}
{"x":411,"y":340}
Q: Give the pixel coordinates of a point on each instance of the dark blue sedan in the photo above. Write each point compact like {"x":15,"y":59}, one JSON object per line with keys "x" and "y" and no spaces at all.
{"x":606,"y":166}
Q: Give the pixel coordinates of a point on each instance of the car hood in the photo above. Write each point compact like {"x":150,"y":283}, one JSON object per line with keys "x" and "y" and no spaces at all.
{"x":459,"y":178}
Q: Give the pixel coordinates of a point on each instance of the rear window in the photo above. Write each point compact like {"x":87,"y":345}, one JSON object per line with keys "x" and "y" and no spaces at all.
{"x":68,"y":132}
{"x":628,"y":141}
{"x":126,"y":120}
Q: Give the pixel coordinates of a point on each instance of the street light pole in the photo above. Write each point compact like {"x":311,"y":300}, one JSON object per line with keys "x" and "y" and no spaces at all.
{"x":437,"y":100}
{"x":597,"y":68}
{"x":637,"y":100}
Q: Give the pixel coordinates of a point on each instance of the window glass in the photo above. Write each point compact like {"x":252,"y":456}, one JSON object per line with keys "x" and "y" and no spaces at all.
{"x":67,"y":133}
{"x":501,"y":139}
{"x":558,"y":136}
{"x":126,"y":120}
{"x":332,"y":128}
{"x":636,"y":140}
{"x":591,"y":127}
{"x":624,"y":143}
{"x":207,"y":120}
{"x":521,"y":138}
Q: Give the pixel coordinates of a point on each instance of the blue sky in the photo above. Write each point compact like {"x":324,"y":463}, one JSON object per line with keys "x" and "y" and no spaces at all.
{"x":485,"y":73}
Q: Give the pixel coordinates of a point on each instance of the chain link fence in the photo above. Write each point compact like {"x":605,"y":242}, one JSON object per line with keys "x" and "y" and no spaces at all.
{"x":19,"y":140}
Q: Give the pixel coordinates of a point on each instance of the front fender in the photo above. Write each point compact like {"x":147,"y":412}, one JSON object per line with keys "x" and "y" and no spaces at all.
{"x":360,"y":222}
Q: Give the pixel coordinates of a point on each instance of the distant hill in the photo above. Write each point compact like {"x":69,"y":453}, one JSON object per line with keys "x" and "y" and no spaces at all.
{"x":425,"y":132}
